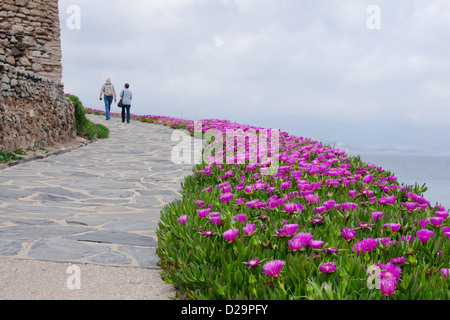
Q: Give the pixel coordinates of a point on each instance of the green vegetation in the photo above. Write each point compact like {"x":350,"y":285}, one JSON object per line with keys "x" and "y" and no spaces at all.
{"x":10,"y":156}
{"x":86,"y":128}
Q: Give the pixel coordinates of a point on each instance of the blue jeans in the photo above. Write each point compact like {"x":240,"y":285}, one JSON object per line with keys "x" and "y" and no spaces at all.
{"x":128,"y":113}
{"x":108,"y":102}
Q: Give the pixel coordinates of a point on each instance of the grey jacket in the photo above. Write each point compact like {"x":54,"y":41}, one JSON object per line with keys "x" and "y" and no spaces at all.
{"x":126,"y":96}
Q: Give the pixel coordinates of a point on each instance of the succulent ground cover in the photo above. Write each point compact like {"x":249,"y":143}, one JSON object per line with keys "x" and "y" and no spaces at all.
{"x":324,"y":225}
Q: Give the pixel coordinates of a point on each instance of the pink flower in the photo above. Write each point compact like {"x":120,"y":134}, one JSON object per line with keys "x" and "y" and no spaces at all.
{"x":394,"y":226}
{"x":436,"y":221}
{"x":183,"y":219}
{"x":390,"y":270}
{"x":444,"y":271}
{"x":399,"y":260}
{"x":285,"y":185}
{"x":388,"y":285}
{"x":230,"y":235}
{"x":329,"y":204}
{"x":290,"y":207}
{"x":349,"y":206}
{"x":315,"y":244}
{"x":273,"y":268}
{"x":240,"y":201}
{"x":368,"y":178}
{"x":317,"y":220}
{"x":203,"y":212}
{"x":364,"y":225}
{"x":312,"y":198}
{"x":442,"y":214}
{"x":423,"y":223}
{"x":353,"y":193}
{"x":321,"y":209}
{"x":226,"y":197}
{"x":200,"y":203}
{"x":249,"y":229}
{"x":289,"y":230}
{"x":348,"y":233}
{"x":208,"y":233}
{"x":425,"y":235}
{"x":365,"y":245}
{"x":387,"y":200}
{"x":253,"y":263}
{"x":240,"y":217}
{"x":215,"y":217}
{"x":377,"y":214}
{"x":328,"y":267}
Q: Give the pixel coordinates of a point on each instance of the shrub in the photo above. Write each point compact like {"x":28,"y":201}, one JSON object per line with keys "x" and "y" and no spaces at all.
{"x":84,"y":127}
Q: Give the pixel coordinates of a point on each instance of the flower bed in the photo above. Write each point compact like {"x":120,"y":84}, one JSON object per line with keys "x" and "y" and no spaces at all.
{"x":323,"y":226}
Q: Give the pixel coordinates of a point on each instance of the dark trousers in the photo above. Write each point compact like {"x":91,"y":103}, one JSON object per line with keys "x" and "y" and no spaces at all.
{"x":127,"y":109}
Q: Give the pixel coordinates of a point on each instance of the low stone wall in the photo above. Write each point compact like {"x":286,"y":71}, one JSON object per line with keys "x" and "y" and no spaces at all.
{"x":33,"y":109}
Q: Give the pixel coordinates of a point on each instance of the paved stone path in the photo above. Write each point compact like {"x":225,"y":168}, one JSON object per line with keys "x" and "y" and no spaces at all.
{"x":97,"y":205}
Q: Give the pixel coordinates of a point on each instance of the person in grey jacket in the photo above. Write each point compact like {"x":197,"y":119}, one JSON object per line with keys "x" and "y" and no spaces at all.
{"x":126,"y":96}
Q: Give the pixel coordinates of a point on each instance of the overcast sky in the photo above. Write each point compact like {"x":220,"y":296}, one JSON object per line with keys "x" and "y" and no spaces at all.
{"x":364,"y":75}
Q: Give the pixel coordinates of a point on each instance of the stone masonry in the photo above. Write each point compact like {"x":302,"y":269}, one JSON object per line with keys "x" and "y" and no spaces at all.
{"x":33,"y":109}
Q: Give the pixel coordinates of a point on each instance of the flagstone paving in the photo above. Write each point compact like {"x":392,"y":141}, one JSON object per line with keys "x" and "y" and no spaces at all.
{"x":99,"y":204}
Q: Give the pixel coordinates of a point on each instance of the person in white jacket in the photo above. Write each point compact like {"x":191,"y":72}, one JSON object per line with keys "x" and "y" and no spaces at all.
{"x":126,"y":96}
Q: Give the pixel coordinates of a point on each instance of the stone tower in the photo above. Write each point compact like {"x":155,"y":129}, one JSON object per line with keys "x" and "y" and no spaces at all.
{"x":33,"y":109}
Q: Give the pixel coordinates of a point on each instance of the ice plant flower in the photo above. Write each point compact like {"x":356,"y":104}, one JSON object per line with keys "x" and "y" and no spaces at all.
{"x":444,"y":271}
{"x":253,"y":263}
{"x":348,"y":233}
{"x":394,"y":226}
{"x":230,"y":235}
{"x":203,"y":212}
{"x":398,"y":260}
{"x":321,"y":209}
{"x":312,"y":198}
{"x":183,"y":219}
{"x":330,"y":250}
{"x":315,"y":244}
{"x":365,"y":245}
{"x":249,"y":229}
{"x":290,"y":229}
{"x":296,"y":244}
{"x":215,"y":219}
{"x":364,"y":225}
{"x":240,"y":217}
{"x":200,"y":203}
{"x":208,"y":233}
{"x":304,"y":238}
{"x":423,"y":223}
{"x":273,"y":268}
{"x":388,"y":285}
{"x":376,"y":215}
{"x":316,"y":220}
{"x":390,"y":270}
{"x":290,"y":207}
{"x":425,"y":235}
{"x":353,"y":193}
{"x":329,"y":204}
{"x":442,"y":214}
{"x":436,"y":221}
{"x":226,"y":197}
{"x":328,"y":267}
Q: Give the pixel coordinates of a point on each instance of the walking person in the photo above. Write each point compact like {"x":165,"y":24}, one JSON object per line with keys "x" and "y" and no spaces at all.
{"x":126,"y":96}
{"x":109,"y":93}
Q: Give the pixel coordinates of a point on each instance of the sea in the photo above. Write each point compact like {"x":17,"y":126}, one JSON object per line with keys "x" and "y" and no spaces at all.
{"x":431,"y":170}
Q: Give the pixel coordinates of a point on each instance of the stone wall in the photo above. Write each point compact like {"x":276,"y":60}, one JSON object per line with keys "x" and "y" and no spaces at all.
{"x":33,"y":109}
